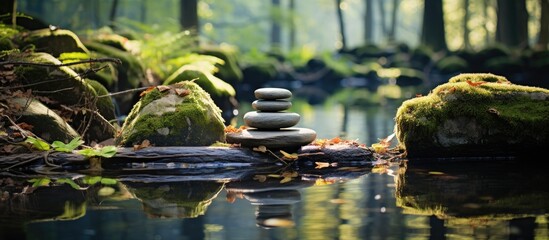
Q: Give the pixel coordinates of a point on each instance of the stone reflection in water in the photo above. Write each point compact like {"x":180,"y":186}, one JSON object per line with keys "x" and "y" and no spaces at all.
{"x":486,"y":199}
{"x":273,"y":200}
{"x":175,"y":199}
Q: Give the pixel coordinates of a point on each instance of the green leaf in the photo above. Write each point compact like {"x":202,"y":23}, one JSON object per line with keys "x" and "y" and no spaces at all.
{"x":106,"y":152}
{"x":69,"y":147}
{"x":91,"y":180}
{"x":70,"y":182}
{"x":38,"y":143}
{"x":108,"y":181}
{"x":88,"y":152}
{"x":40,"y":182}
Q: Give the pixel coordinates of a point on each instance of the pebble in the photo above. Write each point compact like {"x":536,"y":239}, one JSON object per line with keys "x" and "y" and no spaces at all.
{"x":272,"y":93}
{"x":271,"y":120}
{"x":271,"y":105}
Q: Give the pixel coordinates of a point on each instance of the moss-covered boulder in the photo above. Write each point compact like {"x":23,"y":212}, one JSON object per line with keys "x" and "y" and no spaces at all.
{"x":176,"y":200}
{"x":475,"y":115}
{"x":130,"y":73}
{"x":54,"y":42}
{"x":182,"y":114}
{"x":63,"y":89}
{"x":45,"y":123}
{"x":206,"y":80}
{"x":452,"y":65}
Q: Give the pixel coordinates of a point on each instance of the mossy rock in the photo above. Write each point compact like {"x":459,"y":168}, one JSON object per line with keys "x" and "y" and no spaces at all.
{"x":182,"y":114}
{"x":107,"y":76}
{"x":64,"y":87}
{"x":259,"y":73}
{"x":229,"y":71}
{"x":130,"y":73}
{"x":452,"y":64}
{"x":176,"y":200}
{"x":61,"y":84}
{"x":206,"y":80}
{"x":104,"y":103}
{"x":6,"y":44}
{"x":475,"y":115}
{"x":505,"y":66}
{"x":46,"y":123}
{"x":54,"y":42}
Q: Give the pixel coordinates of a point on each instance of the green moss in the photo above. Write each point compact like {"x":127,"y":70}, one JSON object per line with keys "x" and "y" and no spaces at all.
{"x":55,"y":42}
{"x":478,"y":77}
{"x":104,"y":105}
{"x":130,"y":73}
{"x":452,"y":64}
{"x":203,"y":78}
{"x":503,"y":114}
{"x":194,"y":121}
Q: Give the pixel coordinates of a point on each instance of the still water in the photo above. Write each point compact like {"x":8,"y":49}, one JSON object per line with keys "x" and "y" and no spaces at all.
{"x":503,"y":200}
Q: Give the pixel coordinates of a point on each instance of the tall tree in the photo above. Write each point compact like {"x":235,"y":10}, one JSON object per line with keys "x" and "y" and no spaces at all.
{"x":391,"y":36}
{"x":466,"y":30}
{"x":432,"y":33}
{"x":341,"y":25}
{"x":8,"y":7}
{"x":292,"y":23}
{"x":512,"y":23}
{"x":543,"y":38}
{"x":189,"y":15}
{"x":368,"y":21}
{"x":275,"y":26}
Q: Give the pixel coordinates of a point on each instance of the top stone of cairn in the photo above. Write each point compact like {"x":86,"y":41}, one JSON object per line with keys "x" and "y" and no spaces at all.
{"x":272,"y":93}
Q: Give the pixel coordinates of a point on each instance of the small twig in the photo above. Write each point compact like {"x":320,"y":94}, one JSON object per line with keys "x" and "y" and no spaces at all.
{"x":96,"y":60}
{"x":22,"y":131}
{"x":123,"y":92}
{"x":54,"y":91}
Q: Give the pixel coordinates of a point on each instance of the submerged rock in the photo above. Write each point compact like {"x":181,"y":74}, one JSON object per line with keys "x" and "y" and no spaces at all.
{"x":182,"y":114}
{"x":475,"y":115}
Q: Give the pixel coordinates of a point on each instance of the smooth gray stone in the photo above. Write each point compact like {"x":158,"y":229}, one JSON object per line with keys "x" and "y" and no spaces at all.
{"x":271,"y":105}
{"x":272,"y":93}
{"x":271,"y":120}
{"x":283,"y":138}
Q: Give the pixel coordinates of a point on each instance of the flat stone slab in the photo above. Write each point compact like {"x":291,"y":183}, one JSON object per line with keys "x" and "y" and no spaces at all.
{"x":271,"y":120}
{"x":272,"y":93}
{"x":283,"y":138}
{"x":271,"y":105}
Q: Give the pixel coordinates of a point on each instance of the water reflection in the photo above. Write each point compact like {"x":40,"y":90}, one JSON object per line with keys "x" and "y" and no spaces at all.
{"x":489,"y":200}
{"x":482,"y":200}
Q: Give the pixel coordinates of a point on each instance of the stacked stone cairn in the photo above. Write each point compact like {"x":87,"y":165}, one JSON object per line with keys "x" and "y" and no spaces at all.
{"x":270,"y":125}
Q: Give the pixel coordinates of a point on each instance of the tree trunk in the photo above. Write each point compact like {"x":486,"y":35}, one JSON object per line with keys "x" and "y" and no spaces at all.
{"x":8,"y":7}
{"x":189,"y":15}
{"x":275,"y":26}
{"x":433,"y":34}
{"x":369,"y":21}
{"x":512,"y":23}
{"x":543,"y":38}
{"x":392,"y":30}
{"x":112,"y":16}
{"x":341,"y":25}
{"x":292,"y":24}
{"x":382,"y":16}
{"x":466,"y":31}
{"x":485,"y":5}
